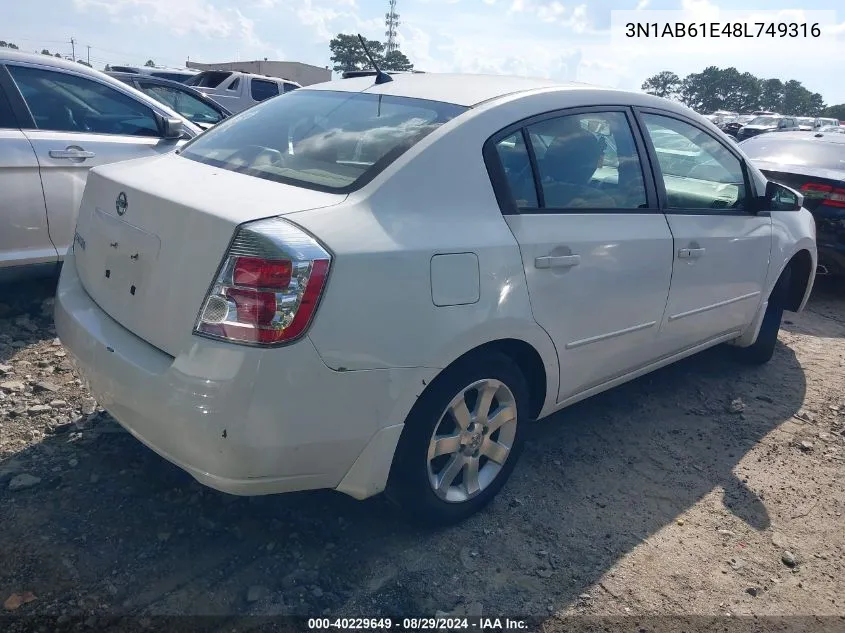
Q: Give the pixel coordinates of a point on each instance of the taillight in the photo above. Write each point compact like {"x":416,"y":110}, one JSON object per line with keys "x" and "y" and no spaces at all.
{"x":828,"y":194}
{"x":268,"y":286}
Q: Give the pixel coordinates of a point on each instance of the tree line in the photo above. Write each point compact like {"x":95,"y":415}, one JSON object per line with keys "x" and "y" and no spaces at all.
{"x":348,"y":54}
{"x":44,"y":51}
{"x":717,"y":88}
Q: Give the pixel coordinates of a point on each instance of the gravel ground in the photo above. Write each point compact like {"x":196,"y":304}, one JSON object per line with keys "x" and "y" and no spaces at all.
{"x":705,"y":488}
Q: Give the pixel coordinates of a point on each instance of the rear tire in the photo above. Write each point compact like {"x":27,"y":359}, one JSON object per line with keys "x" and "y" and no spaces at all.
{"x":762,"y":350}
{"x":461,"y":441}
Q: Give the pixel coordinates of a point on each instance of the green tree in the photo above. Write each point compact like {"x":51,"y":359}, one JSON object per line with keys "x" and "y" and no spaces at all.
{"x":396,"y":60}
{"x":664,"y":84}
{"x":44,"y":51}
{"x":150,"y":63}
{"x":834,"y":111}
{"x":8,"y":45}
{"x":348,"y":54}
{"x":59,"y":55}
{"x":771,"y":95}
{"x":698,"y":90}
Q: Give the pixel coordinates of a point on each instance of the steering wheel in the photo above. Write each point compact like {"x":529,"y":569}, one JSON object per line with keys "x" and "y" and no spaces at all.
{"x":251,"y":153}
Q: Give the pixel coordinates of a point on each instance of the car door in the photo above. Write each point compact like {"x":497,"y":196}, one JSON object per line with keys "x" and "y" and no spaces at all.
{"x":77,"y":123}
{"x":596,"y":251}
{"x":24,"y":237}
{"x":721,"y":246}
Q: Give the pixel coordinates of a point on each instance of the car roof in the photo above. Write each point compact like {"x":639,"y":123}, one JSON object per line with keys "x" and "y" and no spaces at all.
{"x":457,"y":88}
{"x":810,"y":137}
{"x":169,"y":83}
{"x":241,"y":73}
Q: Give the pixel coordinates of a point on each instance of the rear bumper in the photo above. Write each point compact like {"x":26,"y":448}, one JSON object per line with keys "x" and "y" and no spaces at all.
{"x":241,"y":420}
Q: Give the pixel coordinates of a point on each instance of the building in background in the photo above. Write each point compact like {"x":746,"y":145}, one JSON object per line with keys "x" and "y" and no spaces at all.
{"x":303,"y":74}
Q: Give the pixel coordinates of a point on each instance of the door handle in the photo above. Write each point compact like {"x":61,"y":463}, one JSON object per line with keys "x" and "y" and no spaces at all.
{"x":557,"y":261}
{"x":71,"y":153}
{"x":690,"y":253}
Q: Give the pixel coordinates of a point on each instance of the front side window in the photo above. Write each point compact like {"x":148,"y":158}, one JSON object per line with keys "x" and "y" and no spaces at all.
{"x":697,"y":170}
{"x":63,"y":102}
{"x":261,"y":89}
{"x":332,"y":141}
{"x":183,"y":102}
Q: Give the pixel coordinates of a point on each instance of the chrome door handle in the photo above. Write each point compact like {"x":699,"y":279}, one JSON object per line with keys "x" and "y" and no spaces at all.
{"x":557,"y":261}
{"x":71,"y":153}
{"x":690,"y":253}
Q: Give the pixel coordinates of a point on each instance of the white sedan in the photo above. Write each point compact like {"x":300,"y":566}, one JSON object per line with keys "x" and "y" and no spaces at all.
{"x":376,"y":287}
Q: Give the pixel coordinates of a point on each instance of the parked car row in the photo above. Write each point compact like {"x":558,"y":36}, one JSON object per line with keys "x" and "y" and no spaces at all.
{"x":745,"y":126}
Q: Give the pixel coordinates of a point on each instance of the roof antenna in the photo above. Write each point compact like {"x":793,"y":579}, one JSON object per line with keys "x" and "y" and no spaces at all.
{"x":381,"y":77}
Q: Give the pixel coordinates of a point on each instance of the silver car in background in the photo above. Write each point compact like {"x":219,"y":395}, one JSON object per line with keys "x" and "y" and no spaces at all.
{"x":57,"y":120}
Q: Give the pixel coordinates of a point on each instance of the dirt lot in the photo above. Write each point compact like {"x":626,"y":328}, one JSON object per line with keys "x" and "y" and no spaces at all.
{"x":705,"y":488}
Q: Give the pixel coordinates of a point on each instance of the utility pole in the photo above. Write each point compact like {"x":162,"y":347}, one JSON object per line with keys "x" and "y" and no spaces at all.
{"x":73,"y":48}
{"x":89,"y":54}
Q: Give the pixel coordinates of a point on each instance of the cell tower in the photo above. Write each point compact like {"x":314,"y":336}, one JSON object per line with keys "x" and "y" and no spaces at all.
{"x":391,"y":21}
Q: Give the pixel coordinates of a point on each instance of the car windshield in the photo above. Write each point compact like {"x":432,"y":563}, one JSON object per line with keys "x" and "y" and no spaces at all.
{"x":824,"y":155}
{"x":208,"y":79}
{"x":764,"y":120}
{"x":327,"y":140}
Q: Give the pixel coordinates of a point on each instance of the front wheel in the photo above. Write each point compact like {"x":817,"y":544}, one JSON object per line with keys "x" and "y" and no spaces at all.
{"x":762,"y":350}
{"x":461,"y":441}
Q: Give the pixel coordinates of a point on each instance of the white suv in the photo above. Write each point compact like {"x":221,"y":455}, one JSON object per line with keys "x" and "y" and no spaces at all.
{"x":366,"y":287}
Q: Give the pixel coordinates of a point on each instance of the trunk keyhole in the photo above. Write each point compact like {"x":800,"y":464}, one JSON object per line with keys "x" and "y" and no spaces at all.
{"x":132,"y":290}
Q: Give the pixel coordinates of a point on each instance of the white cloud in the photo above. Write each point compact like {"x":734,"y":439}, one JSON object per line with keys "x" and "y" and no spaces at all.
{"x":184,"y":17}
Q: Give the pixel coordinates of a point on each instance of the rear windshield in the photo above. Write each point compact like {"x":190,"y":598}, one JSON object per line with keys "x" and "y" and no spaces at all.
{"x":820,"y":154}
{"x":208,"y":79}
{"x":331,"y":141}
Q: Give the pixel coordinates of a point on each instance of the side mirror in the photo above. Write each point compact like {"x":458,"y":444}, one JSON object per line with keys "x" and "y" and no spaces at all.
{"x":781,"y":198}
{"x":170,"y":129}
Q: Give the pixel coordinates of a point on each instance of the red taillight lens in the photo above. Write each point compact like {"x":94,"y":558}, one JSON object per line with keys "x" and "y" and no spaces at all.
{"x":252,"y":306}
{"x":268,"y":287}
{"x":261,"y":273}
{"x":829,"y":195}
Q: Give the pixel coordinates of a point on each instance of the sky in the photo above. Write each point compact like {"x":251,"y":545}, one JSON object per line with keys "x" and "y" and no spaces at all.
{"x":581,"y":41}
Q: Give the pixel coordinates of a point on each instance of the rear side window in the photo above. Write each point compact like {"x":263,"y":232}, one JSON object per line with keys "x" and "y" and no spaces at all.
{"x":261,"y":89}
{"x":325,"y":140}
{"x":289,"y":86}
{"x":209,"y":79}
{"x":516,"y":163}
{"x":584,"y":161}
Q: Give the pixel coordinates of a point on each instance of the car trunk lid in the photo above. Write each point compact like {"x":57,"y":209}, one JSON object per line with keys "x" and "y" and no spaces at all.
{"x":152,"y":232}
